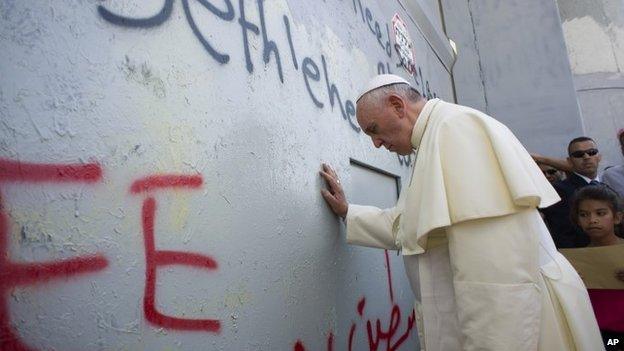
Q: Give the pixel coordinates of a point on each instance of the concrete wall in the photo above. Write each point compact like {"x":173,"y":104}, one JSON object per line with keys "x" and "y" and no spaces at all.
{"x":159,"y":175}
{"x":512,"y":63}
{"x":594,"y":35}
{"x":467,"y":73}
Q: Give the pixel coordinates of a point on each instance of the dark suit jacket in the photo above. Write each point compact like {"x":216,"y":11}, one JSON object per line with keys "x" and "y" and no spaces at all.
{"x":557,"y":217}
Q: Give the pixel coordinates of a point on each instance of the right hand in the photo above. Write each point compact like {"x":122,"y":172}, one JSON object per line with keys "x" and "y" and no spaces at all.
{"x":334,"y":195}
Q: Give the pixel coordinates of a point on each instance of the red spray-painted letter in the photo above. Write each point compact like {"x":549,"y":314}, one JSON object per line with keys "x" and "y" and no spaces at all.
{"x":14,"y":274}
{"x":155,"y":258}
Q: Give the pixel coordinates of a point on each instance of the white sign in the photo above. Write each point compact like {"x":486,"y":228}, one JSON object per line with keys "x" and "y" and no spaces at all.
{"x":403,"y":44}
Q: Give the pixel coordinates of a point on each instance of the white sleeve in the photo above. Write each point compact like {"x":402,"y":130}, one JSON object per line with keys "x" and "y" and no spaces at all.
{"x":371,"y":226}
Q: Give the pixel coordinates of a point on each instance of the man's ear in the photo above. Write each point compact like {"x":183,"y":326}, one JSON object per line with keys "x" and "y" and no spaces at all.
{"x":397,"y":104}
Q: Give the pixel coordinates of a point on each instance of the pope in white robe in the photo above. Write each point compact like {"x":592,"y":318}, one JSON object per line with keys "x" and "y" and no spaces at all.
{"x":476,"y":251}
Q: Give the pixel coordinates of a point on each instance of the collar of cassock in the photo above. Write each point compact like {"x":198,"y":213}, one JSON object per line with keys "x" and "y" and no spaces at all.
{"x":421,"y":122}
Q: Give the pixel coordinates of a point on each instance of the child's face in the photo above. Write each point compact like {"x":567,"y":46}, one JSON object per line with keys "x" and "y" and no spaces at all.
{"x":597,"y":219}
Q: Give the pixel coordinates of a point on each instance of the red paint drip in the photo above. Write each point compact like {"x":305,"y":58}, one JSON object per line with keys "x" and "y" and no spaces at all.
{"x":34,"y":172}
{"x":360,"y":306}
{"x":351,"y":335}
{"x":389,"y":276}
{"x":166,"y":181}
{"x":299,"y":346}
{"x":155,"y":258}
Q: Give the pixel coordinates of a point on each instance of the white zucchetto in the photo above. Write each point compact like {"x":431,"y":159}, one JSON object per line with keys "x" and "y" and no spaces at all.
{"x":381,"y":81}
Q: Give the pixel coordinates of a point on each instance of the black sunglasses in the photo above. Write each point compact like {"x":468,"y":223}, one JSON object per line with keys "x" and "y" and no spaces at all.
{"x":550,"y":171}
{"x":581,"y":153}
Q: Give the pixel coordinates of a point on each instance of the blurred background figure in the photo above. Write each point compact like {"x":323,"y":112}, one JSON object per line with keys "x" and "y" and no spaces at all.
{"x":614,"y":176}
{"x":551,"y":173}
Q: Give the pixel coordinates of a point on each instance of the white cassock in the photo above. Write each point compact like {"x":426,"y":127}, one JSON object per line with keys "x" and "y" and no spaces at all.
{"x":476,"y":250}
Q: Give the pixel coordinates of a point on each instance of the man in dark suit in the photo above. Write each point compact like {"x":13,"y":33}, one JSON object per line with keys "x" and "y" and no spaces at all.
{"x":584,"y":157}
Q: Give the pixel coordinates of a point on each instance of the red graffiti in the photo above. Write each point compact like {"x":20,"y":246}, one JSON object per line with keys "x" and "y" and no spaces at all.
{"x":389,"y":276}
{"x":377,"y":334}
{"x":351,"y":335}
{"x":360,"y":306}
{"x":330,"y":343}
{"x":21,"y":274}
{"x":374,"y":337}
{"x":14,"y":274}
{"x":165,"y":181}
{"x":16,"y":171}
{"x":299,"y":346}
{"x":155,"y":258}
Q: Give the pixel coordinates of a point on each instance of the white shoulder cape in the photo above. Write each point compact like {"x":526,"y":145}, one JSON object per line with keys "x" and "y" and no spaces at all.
{"x":468,"y":166}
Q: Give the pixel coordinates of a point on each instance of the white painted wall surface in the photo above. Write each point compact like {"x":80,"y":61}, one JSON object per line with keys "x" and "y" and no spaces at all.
{"x":100,"y":119}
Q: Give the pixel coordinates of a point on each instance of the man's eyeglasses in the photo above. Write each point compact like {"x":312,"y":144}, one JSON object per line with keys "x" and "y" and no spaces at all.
{"x":581,"y":153}
{"x":550,"y":171}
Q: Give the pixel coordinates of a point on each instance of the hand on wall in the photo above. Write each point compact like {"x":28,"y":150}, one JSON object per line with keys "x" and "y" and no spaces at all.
{"x":334,"y":195}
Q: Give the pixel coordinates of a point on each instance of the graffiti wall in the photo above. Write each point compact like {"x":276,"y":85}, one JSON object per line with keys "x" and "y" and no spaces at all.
{"x":159,"y":184}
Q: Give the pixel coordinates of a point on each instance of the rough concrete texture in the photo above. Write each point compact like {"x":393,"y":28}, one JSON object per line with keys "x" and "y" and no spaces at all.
{"x":601,"y":97}
{"x":432,"y":9}
{"x":467,"y":73}
{"x":159,"y":175}
{"x":591,"y":47}
{"x":524,"y":76}
{"x":594,"y":35}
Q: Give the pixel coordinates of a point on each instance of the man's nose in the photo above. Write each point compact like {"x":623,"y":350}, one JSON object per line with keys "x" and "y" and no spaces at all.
{"x":377,"y":143}
{"x":593,"y":219}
